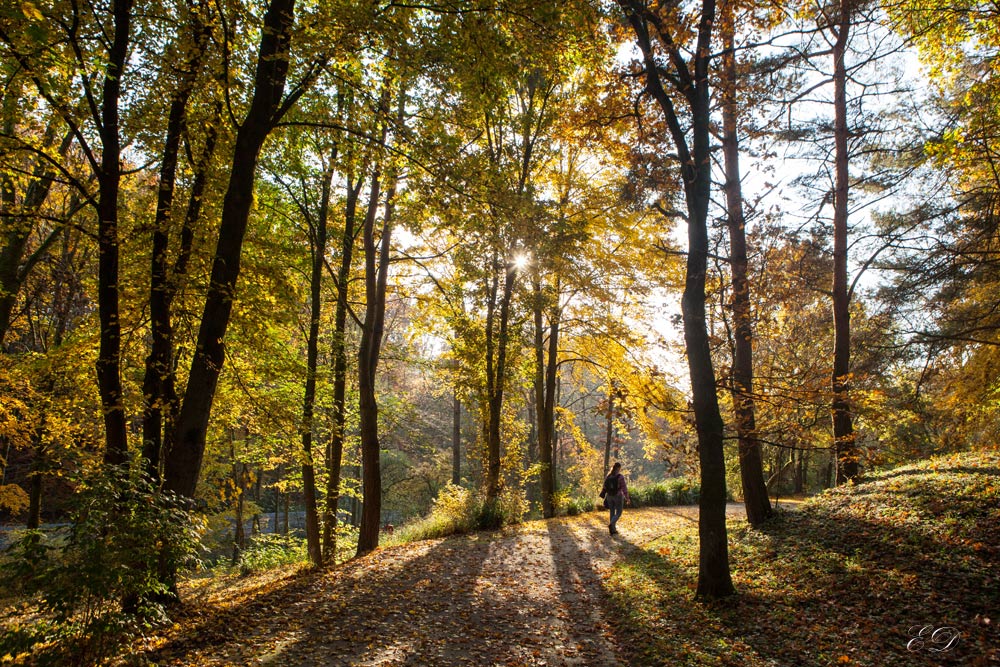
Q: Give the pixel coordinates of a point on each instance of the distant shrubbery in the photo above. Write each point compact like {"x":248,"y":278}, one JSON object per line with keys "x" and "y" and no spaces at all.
{"x":677,"y":491}
{"x":266,"y":551}
{"x":459,"y":510}
{"x":569,"y":504}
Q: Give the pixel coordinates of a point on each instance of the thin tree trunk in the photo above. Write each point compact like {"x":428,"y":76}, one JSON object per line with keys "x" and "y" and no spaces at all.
{"x":35,"y":483}
{"x":312,"y":357}
{"x":543,"y":425}
{"x":456,"y":439}
{"x":240,"y":538}
{"x":546,"y":405}
{"x":335,"y":448}
{"x":755,"y":500}
{"x":183,"y":461}
{"x":843,"y":427}
{"x":609,"y":432}
{"x":158,"y":383}
{"x":376,"y":281}
{"x":495,"y":399}
{"x":714,"y":579}
{"x":109,"y":380}
{"x":14,"y":267}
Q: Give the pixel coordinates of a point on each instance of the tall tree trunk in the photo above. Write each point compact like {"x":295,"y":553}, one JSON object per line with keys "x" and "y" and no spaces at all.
{"x":714,"y":579}
{"x":239,"y":468}
{"x":335,"y":447}
{"x":14,"y":267}
{"x":312,"y":357}
{"x":542,"y":428}
{"x":843,"y":427}
{"x":109,"y":381}
{"x":609,"y":432}
{"x":182,"y":465}
{"x":34,"y":518}
{"x":496,"y":384}
{"x":755,"y":500}
{"x":456,"y":439}
{"x":545,"y":388}
{"x":376,"y":281}
{"x":158,"y":382}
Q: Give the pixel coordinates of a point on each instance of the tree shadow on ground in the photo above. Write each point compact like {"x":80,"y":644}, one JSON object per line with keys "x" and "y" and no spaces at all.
{"x":392,"y":606}
{"x":578,"y":555}
{"x":517,"y":598}
{"x":815,"y":590}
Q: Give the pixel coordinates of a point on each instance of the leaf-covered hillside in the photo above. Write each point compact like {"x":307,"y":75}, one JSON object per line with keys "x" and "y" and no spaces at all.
{"x":850,"y":578}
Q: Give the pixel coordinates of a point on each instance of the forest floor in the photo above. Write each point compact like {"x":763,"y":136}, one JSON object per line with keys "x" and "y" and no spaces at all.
{"x":903,"y":569}
{"x":528,"y":595}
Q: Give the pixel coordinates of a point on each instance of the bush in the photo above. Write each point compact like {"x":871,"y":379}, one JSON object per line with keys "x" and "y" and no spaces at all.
{"x":267,"y":551}
{"x":507,"y":510}
{"x":453,"y":511}
{"x":571,"y":505}
{"x":677,"y":491}
{"x":106,"y":579}
{"x":458,"y":510}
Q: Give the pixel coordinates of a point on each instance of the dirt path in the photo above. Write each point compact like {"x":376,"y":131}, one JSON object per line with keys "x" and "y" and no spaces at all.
{"x":530,"y":596}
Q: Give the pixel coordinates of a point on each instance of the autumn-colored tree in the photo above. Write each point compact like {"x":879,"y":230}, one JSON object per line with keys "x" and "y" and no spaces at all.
{"x":661,"y":34}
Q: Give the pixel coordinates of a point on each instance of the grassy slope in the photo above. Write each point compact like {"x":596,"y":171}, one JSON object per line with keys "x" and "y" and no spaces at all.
{"x":839,"y":582}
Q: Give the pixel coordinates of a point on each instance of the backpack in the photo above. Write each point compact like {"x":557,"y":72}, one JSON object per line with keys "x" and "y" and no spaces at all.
{"x":610,"y":486}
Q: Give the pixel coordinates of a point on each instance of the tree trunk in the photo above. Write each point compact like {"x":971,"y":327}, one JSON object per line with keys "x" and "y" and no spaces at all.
{"x":335,"y":448}
{"x":376,"y":280}
{"x":109,"y":380}
{"x":843,"y":427}
{"x":183,"y":461}
{"x":714,"y":580}
{"x":456,"y":439}
{"x":544,"y":413}
{"x":545,"y":382}
{"x":35,"y":483}
{"x":755,"y":500}
{"x":159,"y":394}
{"x":14,"y":267}
{"x":496,"y":386}
{"x":239,"y":486}
{"x":609,"y":432}
{"x":312,"y":357}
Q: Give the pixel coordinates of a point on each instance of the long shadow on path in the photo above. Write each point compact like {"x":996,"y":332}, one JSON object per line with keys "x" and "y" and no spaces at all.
{"x":579,"y":553}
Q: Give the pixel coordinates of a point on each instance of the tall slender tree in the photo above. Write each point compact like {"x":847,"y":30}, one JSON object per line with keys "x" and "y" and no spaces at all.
{"x":664,"y":64}
{"x":848,"y":457}
{"x":182,"y":464}
{"x":755,"y":500}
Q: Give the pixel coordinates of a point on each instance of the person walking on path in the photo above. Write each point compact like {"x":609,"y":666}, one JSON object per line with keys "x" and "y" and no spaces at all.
{"x":615,"y":494}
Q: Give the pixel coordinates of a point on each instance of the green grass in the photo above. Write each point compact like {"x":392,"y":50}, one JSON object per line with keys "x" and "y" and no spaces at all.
{"x":841,"y":581}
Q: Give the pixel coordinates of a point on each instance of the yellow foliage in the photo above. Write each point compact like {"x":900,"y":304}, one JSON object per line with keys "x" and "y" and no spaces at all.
{"x":13,"y":498}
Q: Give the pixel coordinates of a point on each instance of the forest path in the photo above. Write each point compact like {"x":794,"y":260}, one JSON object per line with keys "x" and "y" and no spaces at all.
{"x":530,"y":595}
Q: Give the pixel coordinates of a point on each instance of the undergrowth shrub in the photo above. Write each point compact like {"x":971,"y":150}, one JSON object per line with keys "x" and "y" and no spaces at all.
{"x":457,"y":510}
{"x":677,"y":491}
{"x":266,"y":551}
{"x":106,"y":579}
{"x":453,"y":511}
{"x":569,"y":504}
{"x":507,"y":510}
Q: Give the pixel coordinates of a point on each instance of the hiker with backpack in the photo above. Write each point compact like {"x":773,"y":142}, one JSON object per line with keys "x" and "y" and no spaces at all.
{"x":615,"y":494}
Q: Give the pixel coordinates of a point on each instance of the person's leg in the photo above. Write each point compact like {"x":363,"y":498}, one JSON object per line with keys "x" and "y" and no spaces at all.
{"x":617,"y":505}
